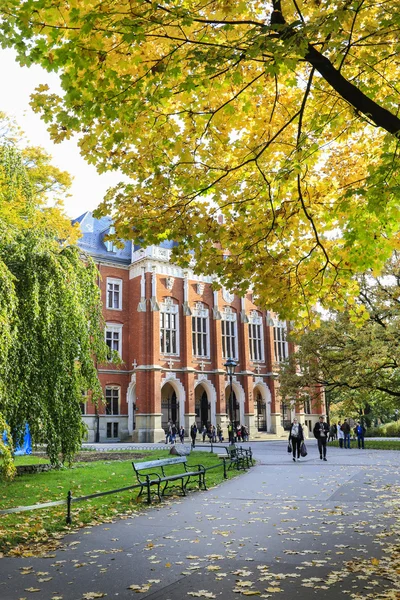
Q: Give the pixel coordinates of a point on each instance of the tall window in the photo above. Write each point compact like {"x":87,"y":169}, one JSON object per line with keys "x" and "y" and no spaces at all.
{"x":200,"y":330}
{"x":256,"y":336}
{"x":280,"y":343}
{"x":112,"y":400}
{"x":114,"y":293}
{"x":228,"y":326}
{"x":113,"y":335}
{"x":169,"y":334}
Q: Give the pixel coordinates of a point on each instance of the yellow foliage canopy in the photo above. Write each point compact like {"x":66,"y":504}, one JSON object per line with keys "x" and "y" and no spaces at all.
{"x":278,"y":116}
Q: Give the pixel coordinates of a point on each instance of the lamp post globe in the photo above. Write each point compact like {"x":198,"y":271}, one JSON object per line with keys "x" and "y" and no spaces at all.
{"x":230,"y":366}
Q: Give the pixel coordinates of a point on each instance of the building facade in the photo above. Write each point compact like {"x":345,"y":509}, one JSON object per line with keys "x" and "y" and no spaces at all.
{"x":174,"y":332}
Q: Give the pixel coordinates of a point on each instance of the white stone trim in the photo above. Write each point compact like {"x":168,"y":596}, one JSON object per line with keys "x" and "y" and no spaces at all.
{"x":131,"y":401}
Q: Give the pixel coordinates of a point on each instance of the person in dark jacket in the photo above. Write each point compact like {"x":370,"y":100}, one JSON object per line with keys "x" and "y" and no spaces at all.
{"x":296,"y":436}
{"x":193,"y":434}
{"x":321,"y":431}
{"x":346,"y":430}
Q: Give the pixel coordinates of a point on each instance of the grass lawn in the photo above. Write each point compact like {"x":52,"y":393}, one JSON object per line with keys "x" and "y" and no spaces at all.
{"x":371,"y":444}
{"x":18,"y":530}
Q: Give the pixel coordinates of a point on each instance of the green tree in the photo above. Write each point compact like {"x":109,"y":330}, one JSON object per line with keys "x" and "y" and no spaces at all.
{"x":279,"y":116}
{"x":357,"y":366}
{"x":51,"y":327}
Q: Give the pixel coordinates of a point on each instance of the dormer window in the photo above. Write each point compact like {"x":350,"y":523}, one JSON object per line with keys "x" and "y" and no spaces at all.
{"x":110,"y":246}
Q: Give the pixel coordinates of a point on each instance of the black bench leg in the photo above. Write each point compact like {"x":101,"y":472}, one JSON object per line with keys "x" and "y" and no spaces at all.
{"x":148,"y":492}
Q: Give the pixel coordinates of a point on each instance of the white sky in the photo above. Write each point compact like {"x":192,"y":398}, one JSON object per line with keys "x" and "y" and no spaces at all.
{"x":88,"y":186}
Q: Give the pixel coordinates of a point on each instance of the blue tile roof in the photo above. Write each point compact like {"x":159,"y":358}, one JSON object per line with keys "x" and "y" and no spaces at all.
{"x":92,"y":240}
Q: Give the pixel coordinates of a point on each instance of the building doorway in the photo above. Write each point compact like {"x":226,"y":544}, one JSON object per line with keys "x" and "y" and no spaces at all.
{"x":261,"y":412}
{"x":202,"y":407}
{"x":169,"y":406}
{"x":236,"y":410}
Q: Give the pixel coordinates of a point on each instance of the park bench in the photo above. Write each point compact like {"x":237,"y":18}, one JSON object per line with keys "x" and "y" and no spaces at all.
{"x":161,"y":475}
{"x":240,"y":457}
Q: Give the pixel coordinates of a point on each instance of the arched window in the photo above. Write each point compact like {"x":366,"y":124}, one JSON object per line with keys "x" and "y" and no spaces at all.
{"x":280,"y":343}
{"x":229,"y":333}
{"x":256,"y":338}
{"x":169,"y":327}
{"x":200,"y":331}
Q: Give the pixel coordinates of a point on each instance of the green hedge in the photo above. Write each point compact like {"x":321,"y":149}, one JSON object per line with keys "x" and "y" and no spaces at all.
{"x":386,"y":430}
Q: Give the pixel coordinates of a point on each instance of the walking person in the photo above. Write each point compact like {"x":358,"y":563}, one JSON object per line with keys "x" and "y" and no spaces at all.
{"x":204,"y":432}
{"x":173,"y":433}
{"x":219,"y":433}
{"x":332,"y":432}
{"x":321,"y":431}
{"x":168,"y":432}
{"x":359,"y":430}
{"x":181,"y":434}
{"x":193,"y":434}
{"x":296,"y":437}
{"x":340,"y":435}
{"x":346,"y":431}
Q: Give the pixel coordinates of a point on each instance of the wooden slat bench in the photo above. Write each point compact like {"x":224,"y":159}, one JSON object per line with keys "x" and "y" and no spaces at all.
{"x":153,"y":473}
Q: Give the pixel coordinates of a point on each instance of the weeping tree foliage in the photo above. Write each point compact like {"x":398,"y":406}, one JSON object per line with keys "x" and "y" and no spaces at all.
{"x":51,"y":329}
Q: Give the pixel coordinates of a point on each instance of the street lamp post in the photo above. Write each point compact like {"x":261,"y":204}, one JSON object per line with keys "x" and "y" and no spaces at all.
{"x":230,"y":367}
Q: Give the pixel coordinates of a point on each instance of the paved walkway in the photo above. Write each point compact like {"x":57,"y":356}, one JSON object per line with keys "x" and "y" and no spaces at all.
{"x":309,"y":529}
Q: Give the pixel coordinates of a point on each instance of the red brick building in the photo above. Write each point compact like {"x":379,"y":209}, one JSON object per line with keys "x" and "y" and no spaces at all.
{"x":174,"y":333}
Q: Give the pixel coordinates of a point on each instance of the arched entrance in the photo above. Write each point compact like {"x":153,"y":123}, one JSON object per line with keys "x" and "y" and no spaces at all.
{"x":262,"y":406}
{"x":169,"y":406}
{"x":202,"y":407}
{"x":260,"y":411}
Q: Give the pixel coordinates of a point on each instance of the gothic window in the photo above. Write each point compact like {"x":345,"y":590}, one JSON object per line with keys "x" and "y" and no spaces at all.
{"x":256,"y":336}
{"x":200,"y":331}
{"x":169,"y":333}
{"x":229,"y":333}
